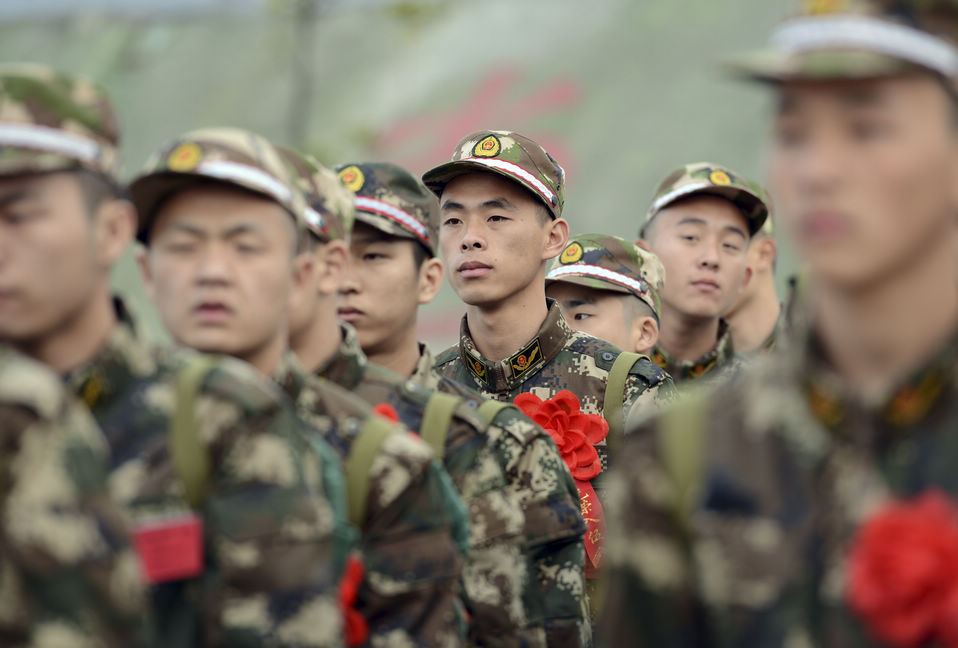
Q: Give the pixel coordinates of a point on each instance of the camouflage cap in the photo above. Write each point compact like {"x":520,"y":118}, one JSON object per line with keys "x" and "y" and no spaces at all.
{"x":50,"y":121}
{"x":330,"y":207}
{"x":708,"y":178}
{"x":611,"y":263}
{"x":226,"y":155}
{"x":394,"y":201}
{"x":831,"y":39}
{"x":508,"y":154}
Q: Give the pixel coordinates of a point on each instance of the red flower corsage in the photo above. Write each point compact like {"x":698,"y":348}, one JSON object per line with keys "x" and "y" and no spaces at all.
{"x":574,"y":432}
{"x":903,"y":572}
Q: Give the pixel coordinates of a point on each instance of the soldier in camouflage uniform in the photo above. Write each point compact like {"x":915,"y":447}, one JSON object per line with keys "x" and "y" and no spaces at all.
{"x":60,"y":532}
{"x":393,"y":270}
{"x":699,"y":224}
{"x":501,"y":201}
{"x":609,"y":288}
{"x":224,"y":216}
{"x":803,"y":505}
{"x":241,"y":550}
{"x":756,"y":319}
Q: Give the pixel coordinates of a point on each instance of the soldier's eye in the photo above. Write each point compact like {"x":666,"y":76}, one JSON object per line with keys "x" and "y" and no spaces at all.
{"x":498,"y":219}
{"x":581,"y":316}
{"x":451,"y":221}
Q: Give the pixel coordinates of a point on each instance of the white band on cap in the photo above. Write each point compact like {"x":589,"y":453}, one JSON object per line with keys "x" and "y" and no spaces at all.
{"x":599,"y":273}
{"x":247,"y":175}
{"x":678,"y":192}
{"x":393,"y":213}
{"x":49,"y":140}
{"x":865,"y":32}
{"x":519,"y":172}
{"x":314,"y":219}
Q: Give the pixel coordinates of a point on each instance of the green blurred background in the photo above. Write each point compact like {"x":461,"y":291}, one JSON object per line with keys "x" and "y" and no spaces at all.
{"x":619,"y":91}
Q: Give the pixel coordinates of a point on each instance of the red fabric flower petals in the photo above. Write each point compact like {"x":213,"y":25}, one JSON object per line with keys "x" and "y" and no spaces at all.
{"x":903,"y":572}
{"x":387,"y":411}
{"x":574,"y":433}
{"x":356,"y":628}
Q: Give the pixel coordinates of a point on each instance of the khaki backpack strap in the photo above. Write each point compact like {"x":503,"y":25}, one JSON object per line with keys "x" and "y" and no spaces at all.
{"x":436,"y":420}
{"x":614,"y":403}
{"x":360,"y":461}
{"x":490,"y":409}
{"x":682,"y":445}
{"x":191,"y":460}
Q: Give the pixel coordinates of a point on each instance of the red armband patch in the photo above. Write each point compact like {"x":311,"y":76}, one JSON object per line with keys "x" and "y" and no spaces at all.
{"x":170,"y":548}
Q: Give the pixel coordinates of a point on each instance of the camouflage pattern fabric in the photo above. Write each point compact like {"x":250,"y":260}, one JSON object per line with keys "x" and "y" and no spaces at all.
{"x":553,"y":526}
{"x":225,"y":155}
{"x":793,"y":464}
{"x":721,"y":361}
{"x":415,"y":529}
{"x":333,"y":206}
{"x":50,"y":121}
{"x":512,"y":458}
{"x":706,"y":178}
{"x":274,"y":516}
{"x":68,"y":576}
{"x":393,"y":201}
{"x":611,"y":263}
{"x":511,"y":155}
{"x":851,"y":39}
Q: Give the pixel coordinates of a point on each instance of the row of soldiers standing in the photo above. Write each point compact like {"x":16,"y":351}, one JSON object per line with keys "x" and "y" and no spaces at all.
{"x":270,"y":491}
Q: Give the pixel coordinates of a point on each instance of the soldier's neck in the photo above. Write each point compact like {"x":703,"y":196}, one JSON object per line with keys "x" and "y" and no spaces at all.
{"x":267,"y":357}
{"x":686,"y":338}
{"x":756,"y":318}
{"x":500,"y":329}
{"x":319,"y":341}
{"x":877,"y":334}
{"x":398,"y":353}
{"x":76,"y":343}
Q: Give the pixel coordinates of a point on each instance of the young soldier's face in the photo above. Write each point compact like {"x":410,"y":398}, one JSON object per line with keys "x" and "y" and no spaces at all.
{"x":864,"y":173}
{"x":382,"y":291}
{"x":54,"y":255}
{"x":702,"y":242}
{"x":220,"y":269}
{"x":599,"y":313}
{"x":494,"y":243}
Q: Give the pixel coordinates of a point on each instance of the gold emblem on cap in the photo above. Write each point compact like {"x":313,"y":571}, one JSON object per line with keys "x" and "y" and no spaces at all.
{"x":488,"y":146}
{"x":571,"y":254}
{"x":352,"y":178}
{"x":818,"y":7}
{"x":720,"y":178}
{"x":184,"y":157}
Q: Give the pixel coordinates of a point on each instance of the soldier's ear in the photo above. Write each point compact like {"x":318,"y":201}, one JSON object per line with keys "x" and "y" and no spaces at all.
{"x":644,"y":334}
{"x":430,"y":279}
{"x":146,"y":273}
{"x":331,"y":264}
{"x":114,"y":224}
{"x":557,"y":238}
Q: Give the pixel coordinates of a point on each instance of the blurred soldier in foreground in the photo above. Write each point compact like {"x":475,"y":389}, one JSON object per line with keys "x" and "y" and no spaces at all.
{"x":70,"y":577}
{"x":700,"y":224}
{"x":756,"y":318}
{"x":609,"y":288}
{"x":393,"y":270}
{"x":222,"y":529}
{"x":224,"y":217}
{"x":813,"y":502}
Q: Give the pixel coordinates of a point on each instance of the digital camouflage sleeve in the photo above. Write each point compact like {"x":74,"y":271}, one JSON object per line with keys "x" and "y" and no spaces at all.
{"x":68,"y":576}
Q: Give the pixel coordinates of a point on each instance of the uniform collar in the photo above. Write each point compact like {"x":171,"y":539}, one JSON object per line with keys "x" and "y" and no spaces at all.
{"x":122,"y":355}
{"x":507,"y":374}
{"x":721,"y":354}
{"x":347,"y":366}
{"x":289,"y":375}
{"x":424,"y":375}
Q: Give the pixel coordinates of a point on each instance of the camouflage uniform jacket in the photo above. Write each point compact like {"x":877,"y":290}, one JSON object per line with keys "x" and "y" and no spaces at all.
{"x":274,"y":511}
{"x":414,"y":531}
{"x":533,"y":479}
{"x":720,"y":361}
{"x":793,"y":464}
{"x":60,"y":533}
{"x":557,"y":358}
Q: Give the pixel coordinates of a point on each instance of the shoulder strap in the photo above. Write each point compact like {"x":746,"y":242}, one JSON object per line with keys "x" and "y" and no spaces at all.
{"x":614,"y":401}
{"x":359,"y":462}
{"x":490,"y":409}
{"x":682,"y":446}
{"x":189,"y":455}
{"x":436,"y":421}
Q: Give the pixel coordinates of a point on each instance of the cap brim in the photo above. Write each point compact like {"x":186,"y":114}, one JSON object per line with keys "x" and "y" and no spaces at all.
{"x":591,"y":282}
{"x":390,"y":227}
{"x":148,"y":191}
{"x":771,"y":66}
{"x":745,"y":201}
{"x":436,"y":179}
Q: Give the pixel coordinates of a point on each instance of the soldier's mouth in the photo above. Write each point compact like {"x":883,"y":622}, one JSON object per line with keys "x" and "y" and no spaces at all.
{"x":473,"y":269}
{"x":350,"y":314}
{"x":211,"y":312}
